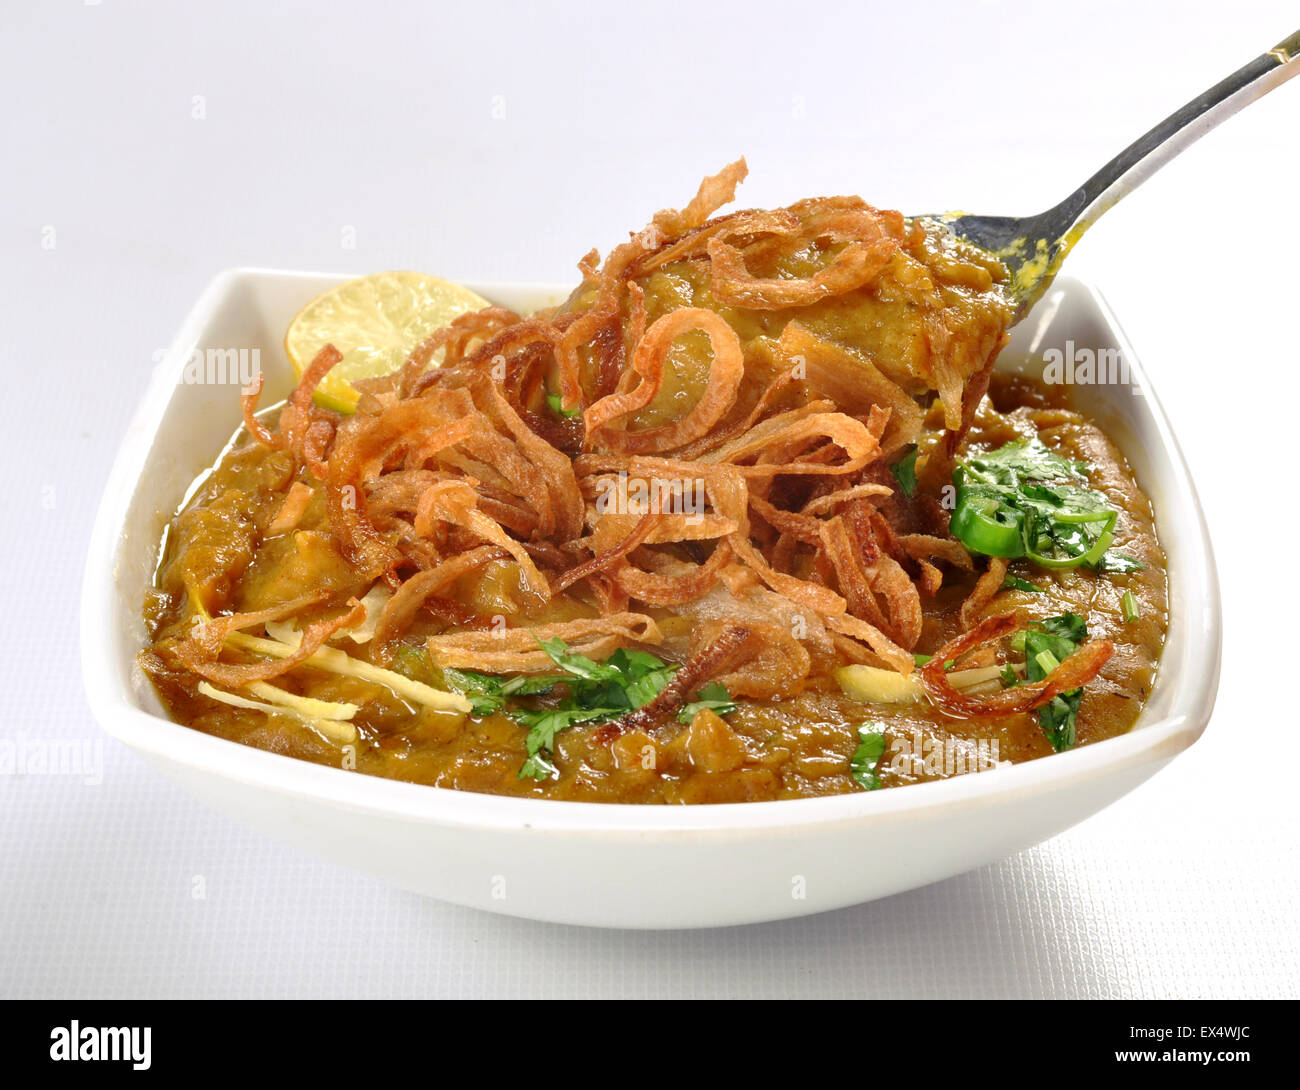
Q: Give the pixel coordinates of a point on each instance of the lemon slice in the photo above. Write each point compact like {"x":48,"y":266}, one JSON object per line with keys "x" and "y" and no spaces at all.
{"x":374,"y":321}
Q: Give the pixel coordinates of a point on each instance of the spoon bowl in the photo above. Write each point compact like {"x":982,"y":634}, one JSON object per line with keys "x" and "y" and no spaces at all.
{"x":1033,"y":247}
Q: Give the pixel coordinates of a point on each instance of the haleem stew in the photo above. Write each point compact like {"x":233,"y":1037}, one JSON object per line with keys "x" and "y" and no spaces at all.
{"x":748,"y":517}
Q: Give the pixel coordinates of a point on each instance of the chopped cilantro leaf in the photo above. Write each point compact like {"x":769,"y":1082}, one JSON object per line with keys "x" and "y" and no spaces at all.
{"x":537,"y":767}
{"x":1012,"y":582}
{"x":713,"y":696}
{"x":579,"y":665}
{"x":530,"y":685}
{"x":1026,"y":459}
{"x":1114,"y":562}
{"x":591,"y":692}
{"x":594,"y":692}
{"x":904,"y":471}
{"x":1059,"y":718}
{"x":866,"y":757}
{"x":1047,"y":644}
{"x":483,"y":691}
{"x":1068,"y":626}
{"x":543,"y":726}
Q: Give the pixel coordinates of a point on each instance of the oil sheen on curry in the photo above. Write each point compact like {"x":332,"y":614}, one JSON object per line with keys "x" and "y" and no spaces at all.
{"x":749,"y":517}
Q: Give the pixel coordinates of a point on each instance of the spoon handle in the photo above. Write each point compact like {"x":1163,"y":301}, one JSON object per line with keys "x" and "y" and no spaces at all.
{"x":1149,"y":152}
{"x":1033,"y":247}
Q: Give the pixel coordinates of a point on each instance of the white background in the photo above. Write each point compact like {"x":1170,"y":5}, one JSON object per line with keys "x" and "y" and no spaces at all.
{"x":316,"y":118}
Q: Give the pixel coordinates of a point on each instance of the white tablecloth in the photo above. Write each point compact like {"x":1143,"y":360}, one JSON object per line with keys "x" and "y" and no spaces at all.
{"x":147,"y":146}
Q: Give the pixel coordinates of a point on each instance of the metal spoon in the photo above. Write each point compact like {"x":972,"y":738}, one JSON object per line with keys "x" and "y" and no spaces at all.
{"x":1033,"y":247}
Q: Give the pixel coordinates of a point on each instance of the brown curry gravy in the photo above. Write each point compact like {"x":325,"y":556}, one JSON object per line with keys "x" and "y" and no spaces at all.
{"x":794,"y":747}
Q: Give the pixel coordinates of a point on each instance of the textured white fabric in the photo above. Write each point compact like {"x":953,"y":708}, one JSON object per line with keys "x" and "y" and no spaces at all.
{"x":147,"y":146}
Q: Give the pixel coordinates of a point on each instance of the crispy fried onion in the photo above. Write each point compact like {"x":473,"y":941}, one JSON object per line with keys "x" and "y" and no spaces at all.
{"x":747,"y":227}
{"x":292,"y":510}
{"x":404,"y":606}
{"x":873,"y":583}
{"x":794,"y":442}
{"x":248,"y":399}
{"x":1077,"y":670}
{"x":468,"y":436}
{"x":199,"y":652}
{"x":715,"y":191}
{"x":648,"y":365}
{"x":777,"y":667}
{"x":664,"y":581}
{"x":606,"y":558}
{"x":305,"y":429}
{"x":515,"y":650}
{"x":729,"y":497}
{"x":457,"y":503}
{"x":986,"y":587}
{"x":453,"y":339}
{"x":872,"y":240}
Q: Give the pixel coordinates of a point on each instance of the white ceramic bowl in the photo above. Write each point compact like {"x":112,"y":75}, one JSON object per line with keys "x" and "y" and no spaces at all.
{"x":611,"y":865}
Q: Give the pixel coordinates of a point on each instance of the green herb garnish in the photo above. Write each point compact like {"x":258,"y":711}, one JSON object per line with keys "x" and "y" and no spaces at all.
{"x":920,"y":660}
{"x":557,"y":405}
{"x":1048,"y":643}
{"x":1114,"y":562}
{"x":713,"y":696}
{"x":866,"y":757}
{"x":1129,"y":604}
{"x":543,"y":726}
{"x":1047,"y":662}
{"x":482,"y":690}
{"x":488,"y":693}
{"x":597,"y":693}
{"x":1012,"y":582}
{"x":1024,"y":500}
{"x":904,"y":471}
{"x":1067,"y":627}
{"x":594,"y":692}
